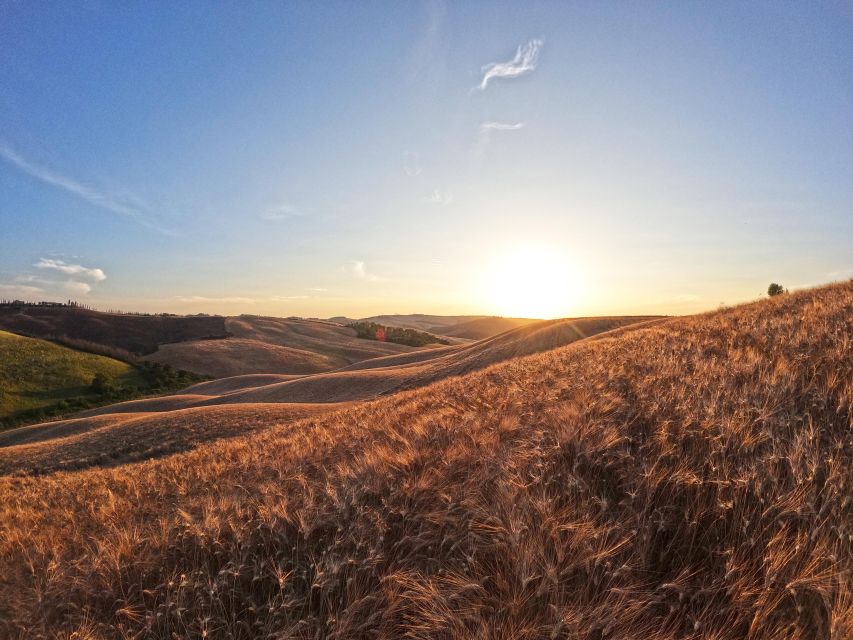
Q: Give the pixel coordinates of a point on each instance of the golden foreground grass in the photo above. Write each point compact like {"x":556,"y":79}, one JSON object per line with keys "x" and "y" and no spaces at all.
{"x":688,"y":480}
{"x":117,"y":438}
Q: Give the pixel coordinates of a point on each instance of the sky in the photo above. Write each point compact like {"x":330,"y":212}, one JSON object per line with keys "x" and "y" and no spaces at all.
{"x":357,"y":158}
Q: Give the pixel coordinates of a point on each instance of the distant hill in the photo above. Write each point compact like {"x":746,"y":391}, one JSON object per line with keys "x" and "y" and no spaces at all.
{"x":384,"y":375}
{"x":261,"y":344}
{"x":206,"y":345}
{"x":129,"y":333}
{"x":480,"y":328}
{"x":36,"y":374}
{"x":419,"y":321}
{"x":40,"y":379}
{"x":467,"y":327}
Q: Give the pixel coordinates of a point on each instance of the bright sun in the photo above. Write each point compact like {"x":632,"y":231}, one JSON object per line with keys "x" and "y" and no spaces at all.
{"x":532,"y":283}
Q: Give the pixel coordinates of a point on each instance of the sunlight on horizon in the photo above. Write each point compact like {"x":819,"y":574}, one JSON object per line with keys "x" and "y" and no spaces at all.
{"x":531,"y":282}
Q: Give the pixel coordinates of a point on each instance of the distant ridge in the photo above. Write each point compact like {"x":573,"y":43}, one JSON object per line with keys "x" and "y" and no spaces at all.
{"x":466,"y":326}
{"x":132,"y":334}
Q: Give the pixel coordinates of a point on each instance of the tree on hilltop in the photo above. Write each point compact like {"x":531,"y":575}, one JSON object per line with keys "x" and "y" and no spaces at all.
{"x":776,"y":290}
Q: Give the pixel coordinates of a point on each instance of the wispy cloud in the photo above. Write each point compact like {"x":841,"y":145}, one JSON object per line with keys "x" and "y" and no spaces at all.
{"x":359,"y":269}
{"x":95,"y":274}
{"x":526,"y":57}
{"x":841,"y":273}
{"x":78,"y":288}
{"x":318,"y":289}
{"x":224,"y":299}
{"x":440,"y":197}
{"x":488,"y":127}
{"x":412,"y":163}
{"x":282,"y":212}
{"x":236,"y":299}
{"x":22,"y":290}
{"x":122,"y":204}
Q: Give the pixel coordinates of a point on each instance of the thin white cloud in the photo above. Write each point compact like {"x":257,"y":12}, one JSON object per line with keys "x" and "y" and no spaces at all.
{"x":77,"y":288}
{"x":440,"y":197}
{"x":412,"y":163}
{"x":95,"y":274}
{"x":316,"y":289}
{"x":23,"y":290}
{"x":29,"y":277}
{"x":122,"y":204}
{"x":488,"y":127}
{"x":841,"y":273}
{"x":526,"y":57}
{"x":282,"y":212}
{"x":195,"y":299}
{"x":358,"y":269}
{"x":225,"y":299}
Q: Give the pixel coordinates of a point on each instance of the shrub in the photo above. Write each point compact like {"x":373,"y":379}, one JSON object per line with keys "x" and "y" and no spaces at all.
{"x":100,"y":385}
{"x":775,"y":290}
{"x":410,"y":337}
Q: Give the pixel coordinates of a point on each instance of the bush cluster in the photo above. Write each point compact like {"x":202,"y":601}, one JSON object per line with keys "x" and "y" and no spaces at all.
{"x":399,"y":335}
{"x":159,"y":378}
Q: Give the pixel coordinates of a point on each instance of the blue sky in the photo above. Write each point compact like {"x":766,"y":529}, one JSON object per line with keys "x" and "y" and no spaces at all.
{"x":320,"y":159}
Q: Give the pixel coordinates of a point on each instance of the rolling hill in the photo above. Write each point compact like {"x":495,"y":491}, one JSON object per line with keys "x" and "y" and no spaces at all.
{"x":118,"y":438}
{"x":213,"y":346}
{"x":480,"y":328}
{"x":461,"y":327}
{"x":381,"y":376}
{"x":683,"y":478}
{"x":36,"y":374}
{"x":126,"y":334}
{"x":274,"y":345}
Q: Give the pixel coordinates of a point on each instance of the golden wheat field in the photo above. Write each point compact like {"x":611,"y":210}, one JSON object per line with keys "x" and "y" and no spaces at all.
{"x":691,"y":479}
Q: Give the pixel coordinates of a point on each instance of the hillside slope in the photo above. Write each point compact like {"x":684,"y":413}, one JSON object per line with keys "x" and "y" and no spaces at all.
{"x":118,"y":438}
{"x":136,"y":334}
{"x":686,"y":480}
{"x":274,"y":345}
{"x":377,"y":376}
{"x":462,"y":327}
{"x":36,"y":373}
{"x":480,"y":328}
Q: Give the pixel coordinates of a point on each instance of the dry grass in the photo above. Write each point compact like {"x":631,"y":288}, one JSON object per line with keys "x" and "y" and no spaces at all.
{"x":274,"y":345}
{"x":688,"y":480}
{"x":238,"y":356}
{"x":388,"y":374}
{"x":117,"y":438}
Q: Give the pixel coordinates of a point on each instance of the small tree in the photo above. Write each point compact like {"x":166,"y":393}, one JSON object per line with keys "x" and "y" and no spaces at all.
{"x":775,"y":289}
{"x":99,"y":384}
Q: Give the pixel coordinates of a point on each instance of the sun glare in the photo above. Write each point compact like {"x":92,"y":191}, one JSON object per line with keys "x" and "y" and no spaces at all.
{"x":531,"y":282}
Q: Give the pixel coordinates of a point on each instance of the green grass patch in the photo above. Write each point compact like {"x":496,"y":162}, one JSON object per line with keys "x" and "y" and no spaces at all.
{"x":40,"y":380}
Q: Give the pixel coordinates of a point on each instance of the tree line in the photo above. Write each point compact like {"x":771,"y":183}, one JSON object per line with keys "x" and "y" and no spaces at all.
{"x":399,"y":335}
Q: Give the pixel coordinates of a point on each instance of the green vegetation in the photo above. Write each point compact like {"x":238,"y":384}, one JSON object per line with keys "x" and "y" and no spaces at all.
{"x":776,"y":290}
{"x":411,"y":337}
{"x":40,"y":380}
